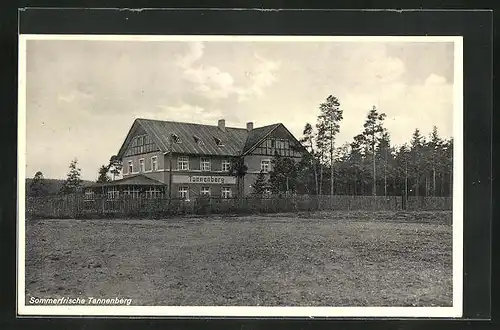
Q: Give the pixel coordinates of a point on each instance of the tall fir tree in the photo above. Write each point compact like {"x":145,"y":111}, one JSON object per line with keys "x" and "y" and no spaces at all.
{"x":73,"y":181}
{"x":283,"y":174}
{"x":417,"y":152}
{"x":37,"y":186}
{"x":328,"y":127}
{"x":356,"y":162}
{"x":239,"y":170}
{"x":260,"y":184}
{"x":115,"y":166}
{"x":436,"y":158}
{"x":403,"y":159}
{"x":372,"y":133}
{"x":448,"y":164}
{"x":385,"y":159}
{"x":308,"y":141}
{"x":103,"y":174}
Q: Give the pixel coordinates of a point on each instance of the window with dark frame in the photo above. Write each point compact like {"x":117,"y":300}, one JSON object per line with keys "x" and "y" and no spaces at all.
{"x":184,"y":192}
{"x":205,"y":164}
{"x":183,"y":163}
{"x":226,"y":165}
{"x":205,"y":191}
{"x":154,"y":165}
{"x":265,"y":165}
{"x":226,"y":192}
{"x":130,"y":167}
{"x":141,"y":165}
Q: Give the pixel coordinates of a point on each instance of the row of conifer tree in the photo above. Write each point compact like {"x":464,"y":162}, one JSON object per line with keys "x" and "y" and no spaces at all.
{"x":368,"y":165}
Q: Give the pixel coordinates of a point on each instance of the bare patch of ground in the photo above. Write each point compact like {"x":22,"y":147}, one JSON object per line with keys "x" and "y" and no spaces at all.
{"x":309,"y":259}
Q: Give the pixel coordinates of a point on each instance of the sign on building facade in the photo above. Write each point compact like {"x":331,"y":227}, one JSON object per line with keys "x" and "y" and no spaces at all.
{"x":204,"y":179}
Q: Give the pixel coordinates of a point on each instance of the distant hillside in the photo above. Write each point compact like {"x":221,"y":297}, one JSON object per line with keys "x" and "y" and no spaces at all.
{"x":54,"y":185}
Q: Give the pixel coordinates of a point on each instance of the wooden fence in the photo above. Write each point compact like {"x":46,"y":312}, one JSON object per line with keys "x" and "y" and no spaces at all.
{"x":75,"y":206}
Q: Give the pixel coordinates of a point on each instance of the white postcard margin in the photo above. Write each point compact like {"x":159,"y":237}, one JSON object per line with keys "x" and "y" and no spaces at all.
{"x":250,"y":311}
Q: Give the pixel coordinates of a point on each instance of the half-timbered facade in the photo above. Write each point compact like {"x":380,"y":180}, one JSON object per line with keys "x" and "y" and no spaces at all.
{"x":187,"y":160}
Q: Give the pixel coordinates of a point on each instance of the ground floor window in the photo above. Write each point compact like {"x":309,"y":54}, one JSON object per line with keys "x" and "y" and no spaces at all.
{"x":133,"y":192}
{"x":265,"y":165}
{"x":153,"y":192}
{"x":89,"y":195}
{"x":226,"y":192}
{"x":205,"y":191}
{"x":113,"y":194}
{"x":183,"y":192}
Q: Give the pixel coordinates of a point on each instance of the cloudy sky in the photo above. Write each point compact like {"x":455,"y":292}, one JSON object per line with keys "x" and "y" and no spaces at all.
{"x":82,"y":96}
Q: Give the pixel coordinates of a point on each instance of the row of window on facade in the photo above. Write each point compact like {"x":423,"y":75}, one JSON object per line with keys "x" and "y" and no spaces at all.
{"x":183,"y":165}
{"x":143,"y":143}
{"x":143,"y":140}
{"x":113,"y":193}
{"x":182,"y":192}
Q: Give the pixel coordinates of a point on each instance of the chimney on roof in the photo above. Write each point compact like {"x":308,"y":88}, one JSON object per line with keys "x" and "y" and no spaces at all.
{"x":249,"y":126}
{"x":222,"y":125}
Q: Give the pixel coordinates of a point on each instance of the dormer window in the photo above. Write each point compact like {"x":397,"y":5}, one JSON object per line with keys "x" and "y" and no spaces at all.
{"x":198,"y":140}
{"x":176,"y":139}
{"x":218,"y":142}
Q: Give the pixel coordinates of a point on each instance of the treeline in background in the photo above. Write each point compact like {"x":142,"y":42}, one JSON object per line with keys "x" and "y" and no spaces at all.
{"x":368,"y":165}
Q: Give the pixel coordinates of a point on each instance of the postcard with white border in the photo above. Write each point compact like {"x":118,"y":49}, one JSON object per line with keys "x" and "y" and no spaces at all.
{"x":210,"y":175}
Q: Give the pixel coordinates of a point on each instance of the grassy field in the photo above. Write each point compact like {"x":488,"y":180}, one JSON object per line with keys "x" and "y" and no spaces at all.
{"x":317,"y":259}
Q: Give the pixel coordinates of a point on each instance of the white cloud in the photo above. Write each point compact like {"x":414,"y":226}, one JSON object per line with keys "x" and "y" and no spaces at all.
{"x":185,"y":112}
{"x":209,"y":81}
{"x":213,"y":83}
{"x":435,"y":79}
{"x":407,"y":107}
{"x":261,"y":76}
{"x":194,"y":54}
{"x":74,"y":95}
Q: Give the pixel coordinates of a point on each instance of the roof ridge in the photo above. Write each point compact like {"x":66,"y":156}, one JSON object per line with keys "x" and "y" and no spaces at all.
{"x":187,"y":123}
{"x":267,"y":126}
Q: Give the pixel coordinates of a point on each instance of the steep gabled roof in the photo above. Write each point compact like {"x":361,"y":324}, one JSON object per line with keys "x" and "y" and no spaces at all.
{"x":193,"y":138}
{"x":199,"y":139}
{"x":256,"y":136}
{"x":231,"y":140}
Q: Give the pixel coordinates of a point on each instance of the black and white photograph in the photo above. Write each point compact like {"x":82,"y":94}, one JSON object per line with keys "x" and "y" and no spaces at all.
{"x":240,"y":175}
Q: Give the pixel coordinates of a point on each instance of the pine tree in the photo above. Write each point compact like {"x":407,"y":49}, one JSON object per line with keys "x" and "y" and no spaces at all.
{"x":385,"y":158}
{"x":448,"y":164}
{"x":356,"y":161}
{"x":417,"y":150}
{"x":321,"y":160}
{"x":260,"y":184}
{"x":328,"y":126}
{"x":342,"y":172}
{"x":372,"y":133}
{"x":103,"y":174}
{"x":283,"y":174}
{"x":435,"y":146}
{"x":238,"y":169}
{"x":37,"y":186}
{"x":403,"y":159}
{"x":308,"y":141}
{"x":73,"y":181}
{"x":115,"y":166}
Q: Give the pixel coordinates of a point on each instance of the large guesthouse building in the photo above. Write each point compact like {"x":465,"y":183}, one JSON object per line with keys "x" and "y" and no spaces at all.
{"x":186,"y":160}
